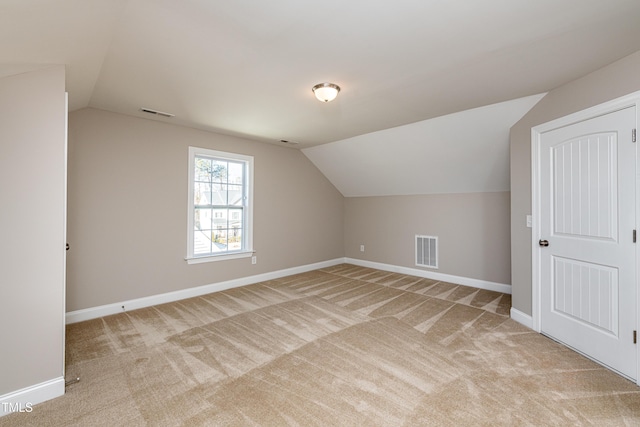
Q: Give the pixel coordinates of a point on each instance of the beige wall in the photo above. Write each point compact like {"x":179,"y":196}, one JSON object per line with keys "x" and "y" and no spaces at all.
{"x":32,"y":191}
{"x":472,"y":230}
{"x":128,"y":209}
{"x":618,"y":79}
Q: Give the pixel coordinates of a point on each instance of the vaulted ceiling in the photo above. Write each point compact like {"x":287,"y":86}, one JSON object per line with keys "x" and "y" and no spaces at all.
{"x":246,"y":67}
{"x":430,"y":88}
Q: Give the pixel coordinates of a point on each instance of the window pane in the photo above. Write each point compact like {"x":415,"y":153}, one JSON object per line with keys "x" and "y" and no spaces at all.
{"x":202,"y":231}
{"x":219,"y":171}
{"x":235,"y":195}
{"x":202,"y":219}
{"x":203,"y":168}
{"x":219,"y":240}
{"x":235,"y":218}
{"x":219,"y":195}
{"x":202,"y":193}
{"x":235,"y":239}
{"x":219,"y":219}
{"x":201,"y":242}
{"x":236,"y":172}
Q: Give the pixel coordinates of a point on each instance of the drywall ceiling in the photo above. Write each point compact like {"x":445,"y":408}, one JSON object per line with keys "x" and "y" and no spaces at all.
{"x":246,"y":67}
{"x":463,"y":152}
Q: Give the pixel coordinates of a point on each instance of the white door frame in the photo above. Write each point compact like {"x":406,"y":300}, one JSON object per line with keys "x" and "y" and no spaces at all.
{"x":630,"y":100}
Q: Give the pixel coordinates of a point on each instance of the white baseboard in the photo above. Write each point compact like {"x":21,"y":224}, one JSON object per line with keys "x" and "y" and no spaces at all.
{"x":119,"y":307}
{"x":23,"y":400}
{"x":520,"y":317}
{"x":459,"y":280}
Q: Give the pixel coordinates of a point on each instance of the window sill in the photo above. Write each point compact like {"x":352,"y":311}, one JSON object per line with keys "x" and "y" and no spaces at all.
{"x":213,"y":258}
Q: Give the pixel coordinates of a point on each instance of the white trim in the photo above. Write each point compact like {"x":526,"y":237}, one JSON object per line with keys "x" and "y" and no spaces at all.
{"x":224,"y":257}
{"x":535,"y":229}
{"x":520,"y":317}
{"x":247,"y":229}
{"x":465,"y":281}
{"x":108,"y":309}
{"x":630,"y":100}
{"x":32,"y":395}
{"x":119,"y":307}
{"x":64,"y":232}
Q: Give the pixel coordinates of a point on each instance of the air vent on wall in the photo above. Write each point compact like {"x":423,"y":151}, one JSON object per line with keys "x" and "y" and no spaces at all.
{"x":156,"y":112}
{"x":427,"y":251}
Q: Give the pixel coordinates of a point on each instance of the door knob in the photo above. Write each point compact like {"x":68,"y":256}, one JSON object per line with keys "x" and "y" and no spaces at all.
{"x":544,"y":243}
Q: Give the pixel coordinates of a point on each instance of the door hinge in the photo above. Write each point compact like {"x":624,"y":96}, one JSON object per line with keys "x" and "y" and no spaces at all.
{"x":633,"y":135}
{"x":635,"y":337}
{"x":634,"y":236}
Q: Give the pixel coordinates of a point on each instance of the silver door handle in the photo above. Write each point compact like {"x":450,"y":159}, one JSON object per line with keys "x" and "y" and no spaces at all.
{"x":544,"y":243}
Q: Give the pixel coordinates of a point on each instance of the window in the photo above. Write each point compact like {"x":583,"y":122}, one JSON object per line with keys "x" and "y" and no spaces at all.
{"x":220,"y":205}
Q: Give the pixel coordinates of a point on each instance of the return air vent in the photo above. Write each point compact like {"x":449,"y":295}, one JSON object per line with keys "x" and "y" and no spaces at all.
{"x":156,"y":112}
{"x":427,"y":251}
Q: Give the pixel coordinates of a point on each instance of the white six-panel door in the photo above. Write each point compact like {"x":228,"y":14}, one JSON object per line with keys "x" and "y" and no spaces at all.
{"x":587,"y":255}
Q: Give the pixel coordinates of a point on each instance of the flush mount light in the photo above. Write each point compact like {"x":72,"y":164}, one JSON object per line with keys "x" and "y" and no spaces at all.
{"x":326,"y":92}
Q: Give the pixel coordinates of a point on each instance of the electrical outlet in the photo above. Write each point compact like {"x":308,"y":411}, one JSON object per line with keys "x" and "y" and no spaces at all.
{"x":361,"y":248}
{"x":254,"y":260}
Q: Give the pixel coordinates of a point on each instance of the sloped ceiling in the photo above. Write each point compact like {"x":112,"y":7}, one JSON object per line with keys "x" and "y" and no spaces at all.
{"x":246,"y":67}
{"x":462,"y":152}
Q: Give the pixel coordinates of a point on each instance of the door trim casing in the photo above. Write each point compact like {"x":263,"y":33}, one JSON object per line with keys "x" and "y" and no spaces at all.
{"x":631,"y":100}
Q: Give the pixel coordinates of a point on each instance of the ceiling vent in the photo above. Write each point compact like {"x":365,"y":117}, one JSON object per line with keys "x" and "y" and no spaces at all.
{"x":156,"y":112}
{"x":427,"y":251}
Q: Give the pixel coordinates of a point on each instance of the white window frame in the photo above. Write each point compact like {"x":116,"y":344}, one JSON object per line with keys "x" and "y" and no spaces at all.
{"x":247,"y":233}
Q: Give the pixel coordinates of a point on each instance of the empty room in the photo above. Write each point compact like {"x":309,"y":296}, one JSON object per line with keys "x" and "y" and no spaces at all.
{"x":344,"y":213}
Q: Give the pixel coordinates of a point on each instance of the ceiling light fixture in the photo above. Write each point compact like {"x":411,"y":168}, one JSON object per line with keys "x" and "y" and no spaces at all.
{"x":326,"y":92}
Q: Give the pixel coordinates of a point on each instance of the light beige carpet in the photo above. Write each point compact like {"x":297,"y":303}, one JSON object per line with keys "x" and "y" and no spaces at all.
{"x":342,"y":346}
